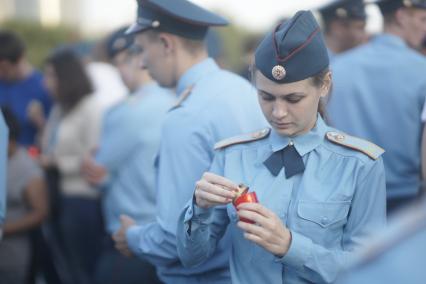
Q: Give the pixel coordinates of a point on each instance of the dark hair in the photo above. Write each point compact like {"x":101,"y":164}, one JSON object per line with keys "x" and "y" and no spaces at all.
{"x":318,"y":80}
{"x":12,"y":123}
{"x":73,"y":81}
{"x":12,"y":48}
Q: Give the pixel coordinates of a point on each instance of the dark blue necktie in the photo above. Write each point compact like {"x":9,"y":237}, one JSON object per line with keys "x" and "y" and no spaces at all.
{"x":287,"y":158}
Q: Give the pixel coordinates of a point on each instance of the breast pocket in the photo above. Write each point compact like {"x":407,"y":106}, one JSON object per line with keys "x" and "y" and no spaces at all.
{"x":323,"y":222}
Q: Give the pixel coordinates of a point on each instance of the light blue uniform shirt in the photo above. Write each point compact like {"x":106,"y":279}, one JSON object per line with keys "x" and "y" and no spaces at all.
{"x":220,"y":105}
{"x":4,"y":140}
{"x":330,"y":209}
{"x":398,"y":255}
{"x":129,"y":142}
{"x":379,"y":91}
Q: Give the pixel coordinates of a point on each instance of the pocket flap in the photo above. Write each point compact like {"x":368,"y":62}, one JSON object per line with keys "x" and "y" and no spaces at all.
{"x":323,"y":213}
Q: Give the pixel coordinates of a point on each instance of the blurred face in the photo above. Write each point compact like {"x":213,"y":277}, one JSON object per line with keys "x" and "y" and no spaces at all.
{"x":413,"y":24}
{"x":354,"y":34}
{"x":127,"y":65}
{"x":157,"y":57}
{"x":9,"y":71}
{"x":51,"y":81}
{"x":291,"y":109}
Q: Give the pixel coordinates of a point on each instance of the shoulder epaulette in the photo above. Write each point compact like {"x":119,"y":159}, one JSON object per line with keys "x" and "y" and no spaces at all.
{"x":242,"y":138}
{"x":358,"y":144}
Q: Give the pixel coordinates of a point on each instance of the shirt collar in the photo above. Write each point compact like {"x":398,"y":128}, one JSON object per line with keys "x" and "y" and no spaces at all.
{"x":196,"y":72}
{"x":390,"y":39}
{"x":304,"y":143}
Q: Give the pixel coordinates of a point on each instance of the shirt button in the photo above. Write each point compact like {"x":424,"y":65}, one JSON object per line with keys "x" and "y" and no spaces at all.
{"x":324,"y":220}
{"x":291,"y":143}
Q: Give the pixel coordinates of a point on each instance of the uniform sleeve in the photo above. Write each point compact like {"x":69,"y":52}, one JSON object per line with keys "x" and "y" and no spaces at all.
{"x":4,"y":134}
{"x":368,"y":212}
{"x":199,"y":230}
{"x":184,"y":157}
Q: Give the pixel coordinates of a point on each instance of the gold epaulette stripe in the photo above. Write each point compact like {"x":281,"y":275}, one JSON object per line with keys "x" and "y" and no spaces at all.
{"x":242,"y":139}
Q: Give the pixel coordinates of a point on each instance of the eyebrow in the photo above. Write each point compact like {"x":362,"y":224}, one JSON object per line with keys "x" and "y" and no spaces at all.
{"x":299,"y":94}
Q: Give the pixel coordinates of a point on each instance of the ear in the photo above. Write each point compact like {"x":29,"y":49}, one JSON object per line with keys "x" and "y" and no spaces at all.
{"x":401,"y":16}
{"x":326,"y":87}
{"x":168,"y":42}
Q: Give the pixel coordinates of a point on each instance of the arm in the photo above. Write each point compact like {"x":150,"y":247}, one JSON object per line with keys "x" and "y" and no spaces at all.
{"x":184,"y":157}
{"x":35,"y":196}
{"x":3,"y":165}
{"x":205,"y":219}
{"x":423,"y":149}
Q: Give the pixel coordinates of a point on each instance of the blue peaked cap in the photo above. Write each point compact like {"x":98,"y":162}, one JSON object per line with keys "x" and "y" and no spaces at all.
{"x":118,"y":41}
{"x":179,"y":17}
{"x":390,"y":6}
{"x":343,"y":9}
{"x":294,"y":51}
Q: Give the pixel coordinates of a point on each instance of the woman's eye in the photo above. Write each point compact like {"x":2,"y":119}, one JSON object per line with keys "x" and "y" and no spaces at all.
{"x":267,"y":98}
{"x":293,"y":100}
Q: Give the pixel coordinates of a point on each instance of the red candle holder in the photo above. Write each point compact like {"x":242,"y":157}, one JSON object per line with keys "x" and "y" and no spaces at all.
{"x":243,"y":196}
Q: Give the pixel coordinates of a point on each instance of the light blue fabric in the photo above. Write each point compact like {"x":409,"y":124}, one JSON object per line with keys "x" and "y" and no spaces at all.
{"x":398,"y":254}
{"x":378,"y":94}
{"x":220,"y":105}
{"x":4,"y":140}
{"x":330,"y":210}
{"x":130,"y":140}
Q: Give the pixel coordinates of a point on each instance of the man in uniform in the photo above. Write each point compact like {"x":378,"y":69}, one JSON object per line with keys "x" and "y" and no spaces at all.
{"x":4,"y":140}
{"x":123,"y":167}
{"x":344,"y":25}
{"x":398,"y":255}
{"x":379,"y":91}
{"x":212,"y":104}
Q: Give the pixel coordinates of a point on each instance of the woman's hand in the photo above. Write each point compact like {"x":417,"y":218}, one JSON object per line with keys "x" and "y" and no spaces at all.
{"x":212,"y":190}
{"x":268,"y":231}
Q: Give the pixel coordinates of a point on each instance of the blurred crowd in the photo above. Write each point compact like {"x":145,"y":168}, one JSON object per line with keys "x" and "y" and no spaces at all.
{"x":84,"y":135}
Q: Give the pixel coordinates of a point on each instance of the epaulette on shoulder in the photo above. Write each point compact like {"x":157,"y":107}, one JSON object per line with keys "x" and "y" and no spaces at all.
{"x":370,"y":149}
{"x":243,"y":138}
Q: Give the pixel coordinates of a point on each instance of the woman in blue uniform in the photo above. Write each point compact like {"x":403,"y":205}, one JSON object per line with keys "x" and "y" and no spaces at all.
{"x":320,"y":192}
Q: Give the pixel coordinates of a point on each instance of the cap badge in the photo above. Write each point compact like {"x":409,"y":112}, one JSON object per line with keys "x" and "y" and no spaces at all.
{"x":342,"y":13}
{"x":407,"y":3}
{"x":278,"y":72}
{"x":155,"y":24}
{"x":119,"y":43}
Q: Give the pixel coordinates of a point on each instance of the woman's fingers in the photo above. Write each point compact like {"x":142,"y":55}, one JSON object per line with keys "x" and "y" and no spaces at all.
{"x":222,"y":191}
{"x":220,"y":181}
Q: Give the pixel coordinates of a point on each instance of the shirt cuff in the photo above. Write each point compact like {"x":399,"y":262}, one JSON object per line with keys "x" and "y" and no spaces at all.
{"x":299,"y":252}
{"x":133,"y":235}
{"x":193,"y":212}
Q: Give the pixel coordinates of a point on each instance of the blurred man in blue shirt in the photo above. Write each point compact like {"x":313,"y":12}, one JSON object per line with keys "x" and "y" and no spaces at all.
{"x":397,"y":255}
{"x":21,"y":88}
{"x":4,"y":134}
{"x":212,"y":104}
{"x":379,"y":91}
{"x":123,"y":166}
{"x":343,"y":24}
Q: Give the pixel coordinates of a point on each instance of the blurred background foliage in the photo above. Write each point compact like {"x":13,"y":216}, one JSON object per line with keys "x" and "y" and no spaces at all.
{"x":41,"y":40}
